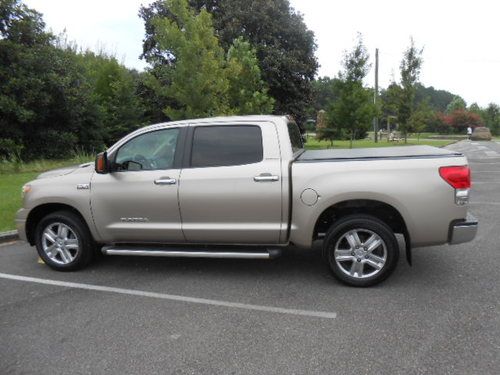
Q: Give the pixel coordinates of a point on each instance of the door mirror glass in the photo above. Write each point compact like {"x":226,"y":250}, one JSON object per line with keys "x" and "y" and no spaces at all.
{"x":101,"y":163}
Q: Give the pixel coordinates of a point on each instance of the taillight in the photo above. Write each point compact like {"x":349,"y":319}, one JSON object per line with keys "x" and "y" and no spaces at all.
{"x":458,"y":176}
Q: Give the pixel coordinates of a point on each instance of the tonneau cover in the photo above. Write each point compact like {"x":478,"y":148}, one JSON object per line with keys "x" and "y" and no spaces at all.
{"x":399,"y":152}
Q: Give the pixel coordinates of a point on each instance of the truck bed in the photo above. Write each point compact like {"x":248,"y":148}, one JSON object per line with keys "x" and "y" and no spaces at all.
{"x":401,"y":152}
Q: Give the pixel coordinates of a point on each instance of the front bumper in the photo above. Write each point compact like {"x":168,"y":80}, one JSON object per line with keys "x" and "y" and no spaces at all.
{"x":463,"y":230}
{"x":21,"y":216}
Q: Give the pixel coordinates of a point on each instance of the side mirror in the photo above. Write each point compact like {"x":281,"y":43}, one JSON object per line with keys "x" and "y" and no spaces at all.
{"x":101,"y":163}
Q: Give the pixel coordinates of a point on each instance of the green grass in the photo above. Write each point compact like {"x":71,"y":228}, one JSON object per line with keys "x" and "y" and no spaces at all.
{"x":314,"y":144}
{"x":10,"y":196}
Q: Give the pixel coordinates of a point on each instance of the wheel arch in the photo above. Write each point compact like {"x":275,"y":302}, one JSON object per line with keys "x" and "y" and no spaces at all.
{"x":381,"y":210}
{"x":39,"y":212}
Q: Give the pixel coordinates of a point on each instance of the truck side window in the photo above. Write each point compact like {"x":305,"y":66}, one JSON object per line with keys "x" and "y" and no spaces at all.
{"x":151,"y":151}
{"x":295,"y":137}
{"x":217,"y":146}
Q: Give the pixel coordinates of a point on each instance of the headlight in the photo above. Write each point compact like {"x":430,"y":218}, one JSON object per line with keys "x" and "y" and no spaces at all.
{"x":26,"y":189}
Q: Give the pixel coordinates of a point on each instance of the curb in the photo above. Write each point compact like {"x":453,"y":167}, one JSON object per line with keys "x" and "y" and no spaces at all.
{"x":10,"y":235}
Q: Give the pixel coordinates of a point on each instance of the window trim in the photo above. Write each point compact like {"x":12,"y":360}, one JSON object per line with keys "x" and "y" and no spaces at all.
{"x":177,"y":164}
{"x":188,"y":149}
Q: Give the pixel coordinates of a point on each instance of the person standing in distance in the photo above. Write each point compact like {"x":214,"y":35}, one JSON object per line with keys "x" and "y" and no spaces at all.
{"x":469,"y":132}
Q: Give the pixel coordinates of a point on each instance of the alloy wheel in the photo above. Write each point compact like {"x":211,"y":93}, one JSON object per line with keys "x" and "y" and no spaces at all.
{"x":60,"y":243}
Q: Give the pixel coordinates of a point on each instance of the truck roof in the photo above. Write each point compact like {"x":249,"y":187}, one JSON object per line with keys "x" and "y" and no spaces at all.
{"x":221,"y":119}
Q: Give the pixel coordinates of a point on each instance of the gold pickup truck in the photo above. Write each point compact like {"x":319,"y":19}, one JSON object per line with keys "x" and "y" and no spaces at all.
{"x":244,"y":187}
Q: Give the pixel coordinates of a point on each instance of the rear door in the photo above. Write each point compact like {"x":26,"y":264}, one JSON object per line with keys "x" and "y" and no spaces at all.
{"x":231,"y":185}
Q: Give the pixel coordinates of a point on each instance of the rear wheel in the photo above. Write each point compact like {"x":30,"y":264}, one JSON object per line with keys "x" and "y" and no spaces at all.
{"x":63,"y":241}
{"x":361,"y":250}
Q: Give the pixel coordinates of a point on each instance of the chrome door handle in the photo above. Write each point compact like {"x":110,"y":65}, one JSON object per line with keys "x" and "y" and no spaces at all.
{"x":165,"y":181}
{"x":266,"y":177}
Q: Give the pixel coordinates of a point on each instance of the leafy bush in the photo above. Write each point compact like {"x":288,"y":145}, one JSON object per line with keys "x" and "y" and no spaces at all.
{"x":10,"y":149}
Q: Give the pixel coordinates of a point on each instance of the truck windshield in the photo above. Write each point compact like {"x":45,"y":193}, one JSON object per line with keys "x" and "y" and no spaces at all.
{"x":295,"y":137}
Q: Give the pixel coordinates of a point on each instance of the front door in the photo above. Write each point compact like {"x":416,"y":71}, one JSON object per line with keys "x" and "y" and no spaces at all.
{"x":231,"y":189}
{"x":137,"y":201}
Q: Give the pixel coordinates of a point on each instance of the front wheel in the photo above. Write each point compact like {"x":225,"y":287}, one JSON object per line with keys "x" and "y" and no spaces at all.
{"x":63,"y":241}
{"x":361,"y":250}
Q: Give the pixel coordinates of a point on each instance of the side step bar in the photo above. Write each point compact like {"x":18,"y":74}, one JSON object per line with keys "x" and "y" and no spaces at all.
{"x":191,"y":253}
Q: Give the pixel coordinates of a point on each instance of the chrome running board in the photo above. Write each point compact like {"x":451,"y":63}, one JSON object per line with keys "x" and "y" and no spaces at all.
{"x":259,"y":253}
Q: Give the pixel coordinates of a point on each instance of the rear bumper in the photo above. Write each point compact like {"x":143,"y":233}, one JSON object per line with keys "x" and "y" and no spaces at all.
{"x":463,"y":230}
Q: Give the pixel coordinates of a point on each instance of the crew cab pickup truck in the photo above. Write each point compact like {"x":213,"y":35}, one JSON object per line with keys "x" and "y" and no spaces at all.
{"x":244,"y":187}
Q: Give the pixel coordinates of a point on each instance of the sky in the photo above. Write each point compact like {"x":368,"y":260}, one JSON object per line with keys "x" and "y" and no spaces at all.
{"x":460,"y":38}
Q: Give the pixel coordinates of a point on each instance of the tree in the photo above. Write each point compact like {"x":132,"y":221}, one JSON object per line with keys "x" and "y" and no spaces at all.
{"x":439,"y":124}
{"x":284,"y":46}
{"x":438,"y":99}
{"x":389,"y":102}
{"x":22,"y":25}
{"x":44,"y":96}
{"x":475,"y":108}
{"x":247,"y":92}
{"x":456,"y":104}
{"x":202,"y":79}
{"x":460,"y":119}
{"x":354,"y":109}
{"x":325,"y":92}
{"x":410,"y":71}
{"x":54,"y":99}
{"x":198,"y":84}
{"x":421,"y":118}
{"x":492,"y":118}
{"x":115,"y":91}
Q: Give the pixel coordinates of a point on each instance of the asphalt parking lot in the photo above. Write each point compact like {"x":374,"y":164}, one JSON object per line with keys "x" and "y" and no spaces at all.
{"x":285,"y":316}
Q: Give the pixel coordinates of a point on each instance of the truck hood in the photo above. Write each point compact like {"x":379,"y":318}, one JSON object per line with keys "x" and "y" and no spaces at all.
{"x":87,"y":167}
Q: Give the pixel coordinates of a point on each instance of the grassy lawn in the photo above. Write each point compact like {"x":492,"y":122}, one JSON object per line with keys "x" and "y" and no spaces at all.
{"x":10,"y":196}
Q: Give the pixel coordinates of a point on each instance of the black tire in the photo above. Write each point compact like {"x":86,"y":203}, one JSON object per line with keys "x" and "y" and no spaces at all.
{"x":388,"y":250}
{"x":84,"y":245}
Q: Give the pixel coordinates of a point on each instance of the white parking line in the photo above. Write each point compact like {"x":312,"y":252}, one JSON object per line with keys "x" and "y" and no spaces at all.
{"x":172,"y":297}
